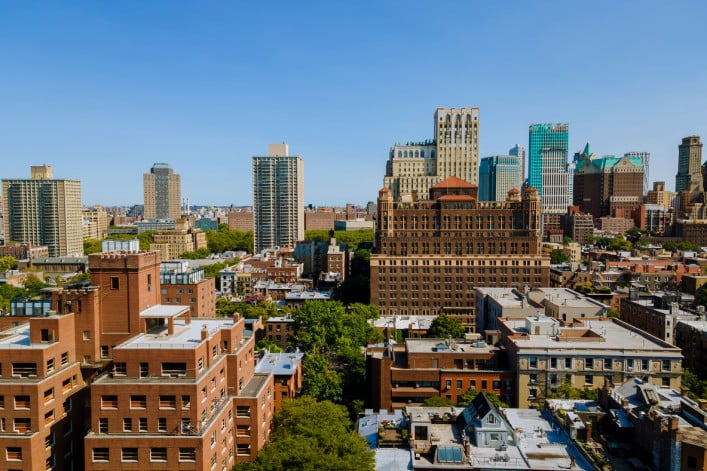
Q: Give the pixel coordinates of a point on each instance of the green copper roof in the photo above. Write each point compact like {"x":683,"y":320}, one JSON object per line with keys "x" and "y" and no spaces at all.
{"x":587,"y":150}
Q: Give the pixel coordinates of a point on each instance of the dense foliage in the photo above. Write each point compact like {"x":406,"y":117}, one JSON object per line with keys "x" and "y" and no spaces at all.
{"x":226,"y":239}
{"x":334,"y":366}
{"x":567,"y":391}
{"x":558,"y":256}
{"x":470,"y":394}
{"x":311,"y":435}
{"x":196,"y":255}
{"x":697,"y":388}
{"x":8,"y":263}
{"x":353,"y":239}
{"x":444,"y":326}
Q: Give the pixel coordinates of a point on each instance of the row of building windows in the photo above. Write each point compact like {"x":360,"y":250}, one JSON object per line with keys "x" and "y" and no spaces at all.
{"x":131,"y":454}
{"x":591,"y":363}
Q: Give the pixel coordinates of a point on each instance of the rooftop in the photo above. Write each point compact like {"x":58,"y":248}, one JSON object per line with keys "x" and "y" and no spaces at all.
{"x":161,"y":311}
{"x":443,"y":346}
{"x":255,"y":385}
{"x":279,"y":363}
{"x":186,"y":335}
{"x":404,"y":322}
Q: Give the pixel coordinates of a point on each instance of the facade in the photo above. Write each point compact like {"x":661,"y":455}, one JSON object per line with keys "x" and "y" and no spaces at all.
{"x":654,"y":218}
{"x":95,"y":223}
{"x":498,"y":175}
{"x":608,"y":186}
{"x":181,"y":395}
{"x":24,"y":251}
{"x":691,"y":337}
{"x":662,"y":197}
{"x":578,"y":225}
{"x":287,"y":371}
{"x":645,"y":158}
{"x":413,"y":168}
{"x":183,"y":238}
{"x":409,"y":373}
{"x":688,"y":181}
{"x":649,"y":316}
{"x":44,"y":211}
{"x":241,"y":220}
{"x":186,"y":286}
{"x":280,"y":330}
{"x":451,"y":243}
{"x":43,"y":396}
{"x":320,"y":220}
{"x":547,"y":165}
{"x":519,"y":151}
{"x":278,"y":198}
{"x":586,"y":354}
{"x":163,"y":193}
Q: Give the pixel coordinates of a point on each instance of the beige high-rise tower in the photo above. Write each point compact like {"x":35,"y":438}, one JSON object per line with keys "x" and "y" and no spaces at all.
{"x":44,"y":211}
{"x":454,"y":152}
{"x":163,"y":193}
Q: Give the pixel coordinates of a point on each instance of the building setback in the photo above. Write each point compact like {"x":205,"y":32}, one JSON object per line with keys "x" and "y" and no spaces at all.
{"x":430,"y":255}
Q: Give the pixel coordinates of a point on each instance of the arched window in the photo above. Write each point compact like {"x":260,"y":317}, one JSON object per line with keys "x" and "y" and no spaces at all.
{"x":400,"y":153}
{"x":433,"y":154}
{"x":405,"y":153}
{"x":422,"y":153}
{"x":417,"y":153}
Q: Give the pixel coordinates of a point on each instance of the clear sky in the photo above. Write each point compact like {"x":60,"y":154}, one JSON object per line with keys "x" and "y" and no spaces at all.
{"x":102,"y":90}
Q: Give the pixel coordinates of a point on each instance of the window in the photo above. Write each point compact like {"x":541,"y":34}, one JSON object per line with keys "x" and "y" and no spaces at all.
{"x":168,"y":402}
{"x":243,"y":430}
{"x":129,"y":454}
{"x":65,"y":358}
{"x":162,"y":424}
{"x":243,"y":449}
{"x":121,"y":368}
{"x":24,"y":369}
{"x":629,"y":364}
{"x":49,"y":440}
{"x":589,"y":380}
{"x":588,"y":363}
{"x":665,"y":381}
{"x":87,"y":335}
{"x":22,"y":425}
{"x":100,"y":454}
{"x":149,"y":282}
{"x":568,"y":363}
{"x":608,"y":364}
{"x":105,"y":351}
{"x":144,"y":370}
{"x":127,"y":424}
{"x":496,"y":385}
{"x":49,"y":417}
{"x":533,"y":379}
{"x":114,"y":282}
{"x":242,"y":411}
{"x":14,"y":453}
{"x":186,"y":401}
{"x":187,"y":454}
{"x":22,"y":402}
{"x":2,"y":402}
{"x":158,"y":454}
{"x":50,"y":365}
{"x":109,"y":402}
{"x":142,"y":424}
{"x":533,"y":362}
{"x":44,"y":335}
{"x":484,"y":384}
{"x":448,"y":384}
{"x":491,"y":419}
{"x":645,"y":365}
{"x":666,"y":365}
{"x":553,"y":362}
{"x":138,"y":401}
{"x":67,"y":406}
{"x":174,"y":369}
{"x":48,"y":394}
{"x":102,"y":425}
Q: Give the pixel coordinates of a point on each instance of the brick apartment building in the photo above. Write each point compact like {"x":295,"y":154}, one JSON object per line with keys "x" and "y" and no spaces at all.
{"x":182,"y":285}
{"x":114,"y":332}
{"x":429,"y":255}
{"x":405,"y":374}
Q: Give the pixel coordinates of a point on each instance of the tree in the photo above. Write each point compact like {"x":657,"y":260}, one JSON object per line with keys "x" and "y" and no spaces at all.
{"x":558,"y":256}
{"x":8,"y":293}
{"x":437,"y":401}
{"x":197,"y":254}
{"x":697,"y":388}
{"x":318,"y":380}
{"x":620,"y":243}
{"x":92,"y":246}
{"x":33,"y":284}
{"x":567,"y":391}
{"x":226,"y":239}
{"x":470,"y":394}
{"x":445,"y":326}
{"x":612,"y":312}
{"x":8,"y":263}
{"x":311,"y":435}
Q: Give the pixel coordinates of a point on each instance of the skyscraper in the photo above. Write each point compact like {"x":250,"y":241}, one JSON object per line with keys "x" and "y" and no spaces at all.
{"x":498,"y":175}
{"x":519,"y":151}
{"x":278,"y":198}
{"x":689,"y":183}
{"x":547,"y":165}
{"x":44,"y":211}
{"x":454,"y":152}
{"x":163,"y":193}
{"x":645,"y":160}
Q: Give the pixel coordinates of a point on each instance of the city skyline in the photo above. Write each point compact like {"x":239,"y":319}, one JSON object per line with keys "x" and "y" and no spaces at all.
{"x":121,"y":86}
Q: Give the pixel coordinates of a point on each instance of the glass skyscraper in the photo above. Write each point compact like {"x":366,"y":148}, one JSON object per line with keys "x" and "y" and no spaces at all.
{"x":547,"y":165}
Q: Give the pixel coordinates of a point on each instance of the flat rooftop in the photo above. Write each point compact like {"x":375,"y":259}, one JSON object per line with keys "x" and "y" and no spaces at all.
{"x":186,"y":336}
{"x":606,"y":334}
{"x":404,"y":322}
{"x":18,"y":337}
{"x":161,"y":311}
{"x":255,"y":385}
{"x":279,"y":363}
{"x":455,"y":347}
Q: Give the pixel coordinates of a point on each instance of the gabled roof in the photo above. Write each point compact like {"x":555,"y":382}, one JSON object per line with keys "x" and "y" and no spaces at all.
{"x":454,"y":182}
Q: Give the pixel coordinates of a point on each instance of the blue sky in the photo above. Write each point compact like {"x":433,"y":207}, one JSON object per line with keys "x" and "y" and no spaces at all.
{"x":102,"y":90}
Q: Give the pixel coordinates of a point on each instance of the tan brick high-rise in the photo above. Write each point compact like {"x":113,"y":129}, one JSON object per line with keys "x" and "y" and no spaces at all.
{"x":163,"y":193}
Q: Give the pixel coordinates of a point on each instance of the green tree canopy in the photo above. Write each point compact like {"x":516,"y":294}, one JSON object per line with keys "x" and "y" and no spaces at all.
{"x":92,"y":246}
{"x":697,"y":388}
{"x":311,"y":435}
{"x":226,"y":239}
{"x":558,"y":256}
{"x":33,"y":284}
{"x":197,"y":254}
{"x":362,"y":239}
{"x":437,"y":401}
{"x":470,"y":394}
{"x":445,"y":326}
{"x":8,"y":263}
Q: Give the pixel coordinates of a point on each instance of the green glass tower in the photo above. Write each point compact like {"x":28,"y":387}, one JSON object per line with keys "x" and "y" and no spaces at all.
{"x":547,"y":165}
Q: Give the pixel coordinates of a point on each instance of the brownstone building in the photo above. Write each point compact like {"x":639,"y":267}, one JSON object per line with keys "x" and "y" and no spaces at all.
{"x":429,"y":255}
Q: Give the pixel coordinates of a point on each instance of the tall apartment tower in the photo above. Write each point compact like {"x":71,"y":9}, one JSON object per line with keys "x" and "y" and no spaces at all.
{"x":163,"y":193}
{"x":547,"y":165}
{"x":278,"y":198}
{"x":498,"y":175}
{"x":44,"y":211}
{"x":519,"y":151}
{"x":414,"y":168}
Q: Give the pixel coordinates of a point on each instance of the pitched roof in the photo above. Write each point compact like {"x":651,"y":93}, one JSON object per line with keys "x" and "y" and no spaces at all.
{"x":453,"y":182}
